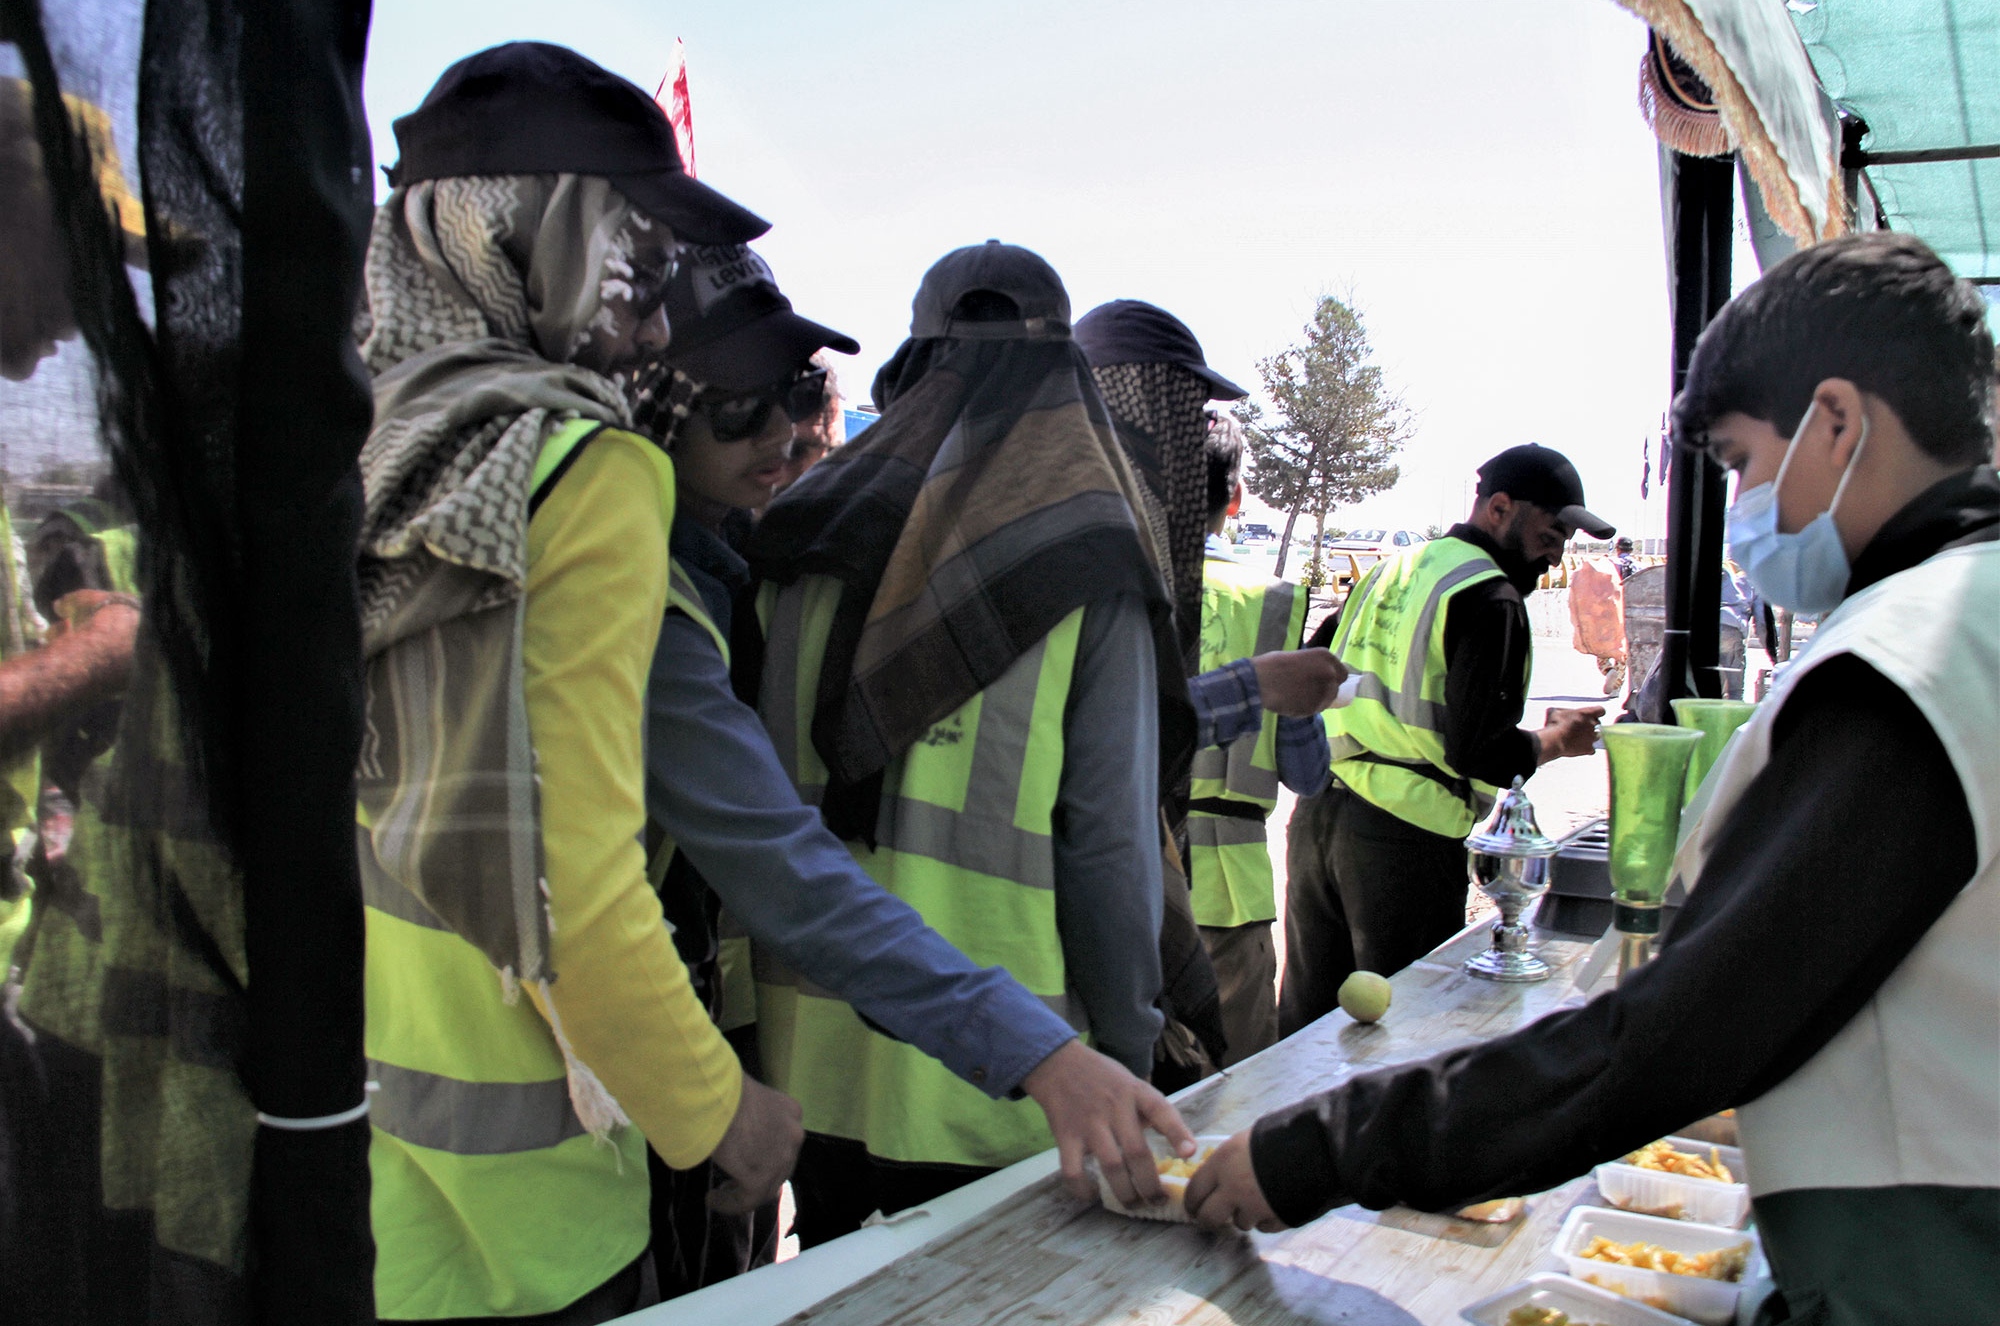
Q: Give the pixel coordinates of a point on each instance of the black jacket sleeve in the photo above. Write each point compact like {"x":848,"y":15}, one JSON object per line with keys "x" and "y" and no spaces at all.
{"x":1822,"y":881}
{"x":1486,"y":651}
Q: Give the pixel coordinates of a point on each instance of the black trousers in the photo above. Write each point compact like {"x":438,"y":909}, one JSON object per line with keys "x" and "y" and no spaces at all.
{"x":694,"y":1247}
{"x":838,"y":1185}
{"x":1365,"y":892}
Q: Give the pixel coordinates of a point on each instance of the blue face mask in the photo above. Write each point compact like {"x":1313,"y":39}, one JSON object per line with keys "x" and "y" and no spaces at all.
{"x":1807,"y":571}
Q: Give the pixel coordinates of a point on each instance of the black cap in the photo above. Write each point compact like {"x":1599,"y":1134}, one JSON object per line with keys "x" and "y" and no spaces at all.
{"x":995,"y":268}
{"x":1537,"y":474}
{"x":729,"y":327}
{"x":1131,"y":331}
{"x":530,"y":108}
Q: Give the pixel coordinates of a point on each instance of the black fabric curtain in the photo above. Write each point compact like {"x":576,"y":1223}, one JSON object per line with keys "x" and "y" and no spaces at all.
{"x":231,"y":422}
{"x":1699,"y":200}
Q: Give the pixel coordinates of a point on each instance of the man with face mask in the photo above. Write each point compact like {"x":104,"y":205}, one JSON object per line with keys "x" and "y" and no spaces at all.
{"x":1440,"y":637}
{"x":1833,"y":971}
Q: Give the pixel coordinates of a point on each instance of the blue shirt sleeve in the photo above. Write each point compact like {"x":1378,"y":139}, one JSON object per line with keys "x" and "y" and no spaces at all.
{"x":715,"y":785}
{"x":1107,"y":838}
{"x":1305,"y":761}
{"x":1227,"y":704}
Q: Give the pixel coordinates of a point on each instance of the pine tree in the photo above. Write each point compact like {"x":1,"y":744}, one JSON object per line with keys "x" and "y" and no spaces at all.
{"x":1334,"y":429}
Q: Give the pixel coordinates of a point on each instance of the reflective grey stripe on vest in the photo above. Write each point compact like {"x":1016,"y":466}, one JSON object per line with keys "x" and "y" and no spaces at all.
{"x":1223,"y":831}
{"x":770,"y":971}
{"x":1408,"y":705}
{"x":1240,"y":777}
{"x":471,"y":1118}
{"x":780,"y":707}
{"x":1272,"y":626}
{"x":984,"y":838}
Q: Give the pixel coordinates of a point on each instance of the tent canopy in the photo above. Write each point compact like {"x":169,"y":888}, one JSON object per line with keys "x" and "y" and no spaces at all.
{"x":1924,"y":76}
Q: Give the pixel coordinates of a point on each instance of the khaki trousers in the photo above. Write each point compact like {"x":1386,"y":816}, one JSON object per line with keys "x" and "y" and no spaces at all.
{"x":1246,"y":977}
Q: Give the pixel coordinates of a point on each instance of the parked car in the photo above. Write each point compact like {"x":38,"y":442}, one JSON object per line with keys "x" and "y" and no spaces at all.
{"x":1251,"y":533}
{"x":1376,"y":542}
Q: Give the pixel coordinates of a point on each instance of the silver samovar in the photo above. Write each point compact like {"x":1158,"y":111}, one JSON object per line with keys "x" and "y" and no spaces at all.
{"x":1508,"y":858}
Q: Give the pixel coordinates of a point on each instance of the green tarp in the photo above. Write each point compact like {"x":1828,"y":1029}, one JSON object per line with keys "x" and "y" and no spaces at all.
{"x":1923,"y":75}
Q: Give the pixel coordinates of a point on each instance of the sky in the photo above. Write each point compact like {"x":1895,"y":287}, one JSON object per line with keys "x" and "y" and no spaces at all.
{"x":1474,"y":176}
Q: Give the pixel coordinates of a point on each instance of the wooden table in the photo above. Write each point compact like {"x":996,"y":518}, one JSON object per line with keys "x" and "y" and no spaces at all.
{"x":1041,"y":1256}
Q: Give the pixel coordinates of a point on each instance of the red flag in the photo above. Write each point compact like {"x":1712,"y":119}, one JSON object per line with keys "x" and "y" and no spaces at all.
{"x":672,"y":97}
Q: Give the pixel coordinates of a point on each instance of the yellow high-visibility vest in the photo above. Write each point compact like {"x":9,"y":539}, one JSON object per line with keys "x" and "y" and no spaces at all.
{"x":1243,"y":614}
{"x":1388,"y":744}
{"x":963,"y":837}
{"x":475,"y":1142}
{"x":739,"y":990}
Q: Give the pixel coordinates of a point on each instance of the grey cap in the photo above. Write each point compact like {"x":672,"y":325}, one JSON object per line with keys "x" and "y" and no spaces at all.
{"x":995,"y":268}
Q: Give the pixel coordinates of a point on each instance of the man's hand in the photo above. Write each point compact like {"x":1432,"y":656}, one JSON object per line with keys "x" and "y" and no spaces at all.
{"x":101,"y":613}
{"x":1093,"y":1105}
{"x":1297,"y":683}
{"x":1225,"y":1192}
{"x":87,"y":660}
{"x":758,"y":1151}
{"x":1569,"y":732}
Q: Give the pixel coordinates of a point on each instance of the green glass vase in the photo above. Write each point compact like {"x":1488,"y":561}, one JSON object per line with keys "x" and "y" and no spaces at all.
{"x":1717,"y":721}
{"x":1649,"y":769}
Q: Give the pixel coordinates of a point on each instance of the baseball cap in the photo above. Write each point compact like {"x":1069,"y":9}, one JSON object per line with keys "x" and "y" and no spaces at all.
{"x":531,"y":108}
{"x":1131,"y":331}
{"x":994,"y":268}
{"x":729,"y":325}
{"x":1545,"y":477}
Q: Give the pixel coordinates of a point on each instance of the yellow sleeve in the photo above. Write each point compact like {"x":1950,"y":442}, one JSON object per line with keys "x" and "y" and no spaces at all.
{"x":597,"y":590}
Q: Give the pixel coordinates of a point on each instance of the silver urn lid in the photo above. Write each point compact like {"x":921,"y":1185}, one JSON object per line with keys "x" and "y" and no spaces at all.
{"x":1511,"y":830}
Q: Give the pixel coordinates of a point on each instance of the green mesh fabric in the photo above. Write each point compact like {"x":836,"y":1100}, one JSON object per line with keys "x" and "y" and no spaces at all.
{"x":1923,"y":74}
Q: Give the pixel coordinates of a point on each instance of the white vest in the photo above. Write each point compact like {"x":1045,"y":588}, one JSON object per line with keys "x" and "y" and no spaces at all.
{"x":1908,"y":1092}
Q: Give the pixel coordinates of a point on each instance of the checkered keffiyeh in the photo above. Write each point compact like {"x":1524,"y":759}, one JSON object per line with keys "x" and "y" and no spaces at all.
{"x":1159,"y":412}
{"x":470,"y":377}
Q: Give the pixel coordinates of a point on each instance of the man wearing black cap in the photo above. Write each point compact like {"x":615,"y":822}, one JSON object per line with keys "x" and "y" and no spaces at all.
{"x":514,"y":570}
{"x":972,"y":671}
{"x":1440,"y":638}
{"x":1157,"y":384}
{"x":724,"y":398}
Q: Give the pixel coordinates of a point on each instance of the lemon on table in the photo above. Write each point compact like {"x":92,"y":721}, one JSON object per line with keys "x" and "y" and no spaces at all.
{"x":1364,"y":996}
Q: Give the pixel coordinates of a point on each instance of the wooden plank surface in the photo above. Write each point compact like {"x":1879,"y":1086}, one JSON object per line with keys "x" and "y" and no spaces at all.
{"x":1043,"y":1257}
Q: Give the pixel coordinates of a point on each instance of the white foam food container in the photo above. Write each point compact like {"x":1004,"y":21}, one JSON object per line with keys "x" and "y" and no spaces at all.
{"x":1654,"y":1192}
{"x":1174,"y":1209}
{"x":1583,"y":1303}
{"x":1710,"y":1302}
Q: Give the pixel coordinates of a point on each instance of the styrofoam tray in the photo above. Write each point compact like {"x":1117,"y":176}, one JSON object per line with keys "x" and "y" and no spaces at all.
{"x":1174,"y":1209}
{"x":1710,"y":1302}
{"x":1651,"y":1192}
{"x":1584,"y":1303}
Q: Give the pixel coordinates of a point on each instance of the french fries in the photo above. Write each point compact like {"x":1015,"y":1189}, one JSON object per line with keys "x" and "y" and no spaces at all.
{"x":1663,"y":1157}
{"x":1716,"y":1264}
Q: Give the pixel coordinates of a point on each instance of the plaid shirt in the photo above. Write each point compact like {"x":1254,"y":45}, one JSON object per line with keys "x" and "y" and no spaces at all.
{"x":1227,"y":706}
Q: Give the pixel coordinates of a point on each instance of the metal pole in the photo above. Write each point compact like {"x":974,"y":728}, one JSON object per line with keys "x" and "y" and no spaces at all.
{"x":1699,"y":211}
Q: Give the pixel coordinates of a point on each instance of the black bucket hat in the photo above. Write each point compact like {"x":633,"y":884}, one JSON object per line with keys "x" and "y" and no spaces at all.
{"x":732,"y":328}
{"x":531,"y":108}
{"x":1131,"y":331}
